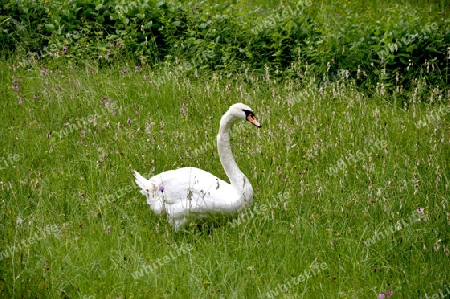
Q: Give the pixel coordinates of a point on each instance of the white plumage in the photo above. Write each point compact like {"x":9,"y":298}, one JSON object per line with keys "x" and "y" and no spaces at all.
{"x":189,"y":193}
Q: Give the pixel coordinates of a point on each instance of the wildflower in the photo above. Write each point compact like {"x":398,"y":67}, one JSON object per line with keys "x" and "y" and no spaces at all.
{"x":49,"y":134}
{"x":421,"y":211}
{"x":64,"y":49}
{"x":383,"y":295}
{"x":19,"y":220}
{"x":120,"y":44}
{"x":108,"y":229}
{"x":129,"y":121}
{"x":137,"y":111}
{"x":20,"y":101}
{"x":124,"y":71}
{"x":161,"y":189}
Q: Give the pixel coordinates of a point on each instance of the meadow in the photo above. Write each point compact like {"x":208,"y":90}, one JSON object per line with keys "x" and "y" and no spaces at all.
{"x":351,"y":182}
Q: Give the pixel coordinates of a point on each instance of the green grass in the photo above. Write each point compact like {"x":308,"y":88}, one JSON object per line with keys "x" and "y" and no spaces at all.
{"x":93,"y":231}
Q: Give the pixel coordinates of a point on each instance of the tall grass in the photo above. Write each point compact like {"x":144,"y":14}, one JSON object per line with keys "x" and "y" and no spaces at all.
{"x":72,"y":135}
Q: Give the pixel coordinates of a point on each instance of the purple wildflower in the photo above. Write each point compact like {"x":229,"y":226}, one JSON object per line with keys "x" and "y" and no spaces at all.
{"x":129,"y":121}
{"x":20,"y":101}
{"x":383,"y":295}
{"x":64,"y":49}
{"x":108,"y":229}
{"x":419,"y":211}
{"x":120,"y":44}
{"x":161,"y":189}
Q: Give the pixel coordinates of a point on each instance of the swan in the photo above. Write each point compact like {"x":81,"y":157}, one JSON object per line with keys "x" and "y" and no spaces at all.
{"x":187,"y":194}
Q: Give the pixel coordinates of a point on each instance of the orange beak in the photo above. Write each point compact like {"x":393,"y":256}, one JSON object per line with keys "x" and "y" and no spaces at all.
{"x":253,"y":120}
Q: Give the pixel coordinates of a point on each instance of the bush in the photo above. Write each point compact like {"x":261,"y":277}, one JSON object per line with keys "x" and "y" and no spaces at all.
{"x":393,"y":45}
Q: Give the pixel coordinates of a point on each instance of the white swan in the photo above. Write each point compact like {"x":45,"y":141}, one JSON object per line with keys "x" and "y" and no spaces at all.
{"x":189,"y":193}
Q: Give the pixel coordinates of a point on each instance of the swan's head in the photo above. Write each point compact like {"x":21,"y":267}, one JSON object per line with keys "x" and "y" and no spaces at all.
{"x":240,"y":111}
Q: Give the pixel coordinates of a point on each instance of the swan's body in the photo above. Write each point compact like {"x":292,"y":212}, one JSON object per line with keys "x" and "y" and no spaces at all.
{"x":190,"y":193}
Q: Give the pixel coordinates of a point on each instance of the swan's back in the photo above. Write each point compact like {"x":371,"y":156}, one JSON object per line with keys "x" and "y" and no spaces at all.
{"x":190,"y":191}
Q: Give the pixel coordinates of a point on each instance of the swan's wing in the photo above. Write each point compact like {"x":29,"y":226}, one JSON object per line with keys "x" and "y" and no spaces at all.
{"x":192,"y":190}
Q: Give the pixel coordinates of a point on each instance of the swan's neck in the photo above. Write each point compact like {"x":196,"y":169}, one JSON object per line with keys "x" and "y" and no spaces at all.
{"x":237,"y":179}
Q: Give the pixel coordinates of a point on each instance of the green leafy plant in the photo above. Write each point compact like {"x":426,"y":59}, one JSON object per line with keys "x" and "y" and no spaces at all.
{"x":393,"y":44}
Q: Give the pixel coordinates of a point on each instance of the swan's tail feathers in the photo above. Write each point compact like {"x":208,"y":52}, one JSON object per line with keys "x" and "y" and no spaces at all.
{"x":147,"y":186}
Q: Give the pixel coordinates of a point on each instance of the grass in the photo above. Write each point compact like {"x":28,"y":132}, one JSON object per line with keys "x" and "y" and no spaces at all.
{"x":74,"y":225}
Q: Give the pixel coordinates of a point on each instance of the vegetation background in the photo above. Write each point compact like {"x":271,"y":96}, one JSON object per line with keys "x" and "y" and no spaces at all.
{"x":350,"y":169}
